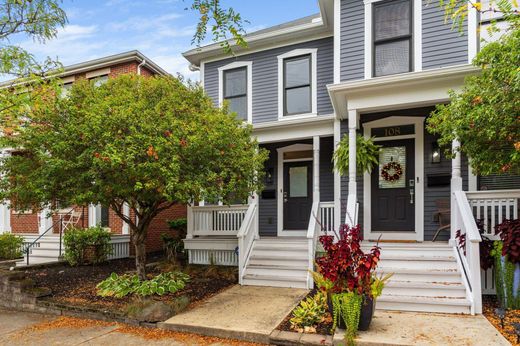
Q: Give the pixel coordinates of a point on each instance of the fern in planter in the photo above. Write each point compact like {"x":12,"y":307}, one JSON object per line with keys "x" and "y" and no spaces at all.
{"x":367,"y":155}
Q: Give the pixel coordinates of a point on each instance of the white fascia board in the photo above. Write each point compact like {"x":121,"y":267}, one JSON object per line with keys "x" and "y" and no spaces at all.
{"x":294,"y":130}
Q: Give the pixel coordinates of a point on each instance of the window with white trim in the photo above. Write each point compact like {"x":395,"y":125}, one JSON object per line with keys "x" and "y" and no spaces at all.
{"x":99,"y":80}
{"x":392,"y":37}
{"x":235,"y":91}
{"x":297,"y":86}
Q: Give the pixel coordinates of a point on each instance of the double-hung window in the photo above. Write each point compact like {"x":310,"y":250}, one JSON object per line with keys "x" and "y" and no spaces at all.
{"x":297,"y":85}
{"x":392,"y":37}
{"x":235,"y":91}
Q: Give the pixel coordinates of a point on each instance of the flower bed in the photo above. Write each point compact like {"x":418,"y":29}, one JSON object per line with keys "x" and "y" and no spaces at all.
{"x":512,"y":316}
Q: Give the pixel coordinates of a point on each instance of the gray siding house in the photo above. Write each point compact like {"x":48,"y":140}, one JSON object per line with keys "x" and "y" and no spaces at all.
{"x":375,"y":68}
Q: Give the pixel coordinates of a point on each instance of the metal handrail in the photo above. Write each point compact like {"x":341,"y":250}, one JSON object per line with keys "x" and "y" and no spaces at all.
{"x":28,"y":248}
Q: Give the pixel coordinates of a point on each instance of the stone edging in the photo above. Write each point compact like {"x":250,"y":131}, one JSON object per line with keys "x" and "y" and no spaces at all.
{"x":284,"y":338}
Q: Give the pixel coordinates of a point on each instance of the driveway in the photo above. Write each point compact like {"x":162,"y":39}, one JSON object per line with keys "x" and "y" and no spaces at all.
{"x":22,"y":328}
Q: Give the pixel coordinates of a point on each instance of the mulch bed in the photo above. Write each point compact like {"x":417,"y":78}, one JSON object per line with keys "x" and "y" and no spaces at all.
{"x":512,"y":316}
{"x":77,"y":285}
{"x":323,"y":328}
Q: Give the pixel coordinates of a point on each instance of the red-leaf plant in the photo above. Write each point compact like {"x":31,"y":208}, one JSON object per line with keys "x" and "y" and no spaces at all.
{"x":485,"y":248}
{"x":345,"y":263}
{"x":509,"y":232}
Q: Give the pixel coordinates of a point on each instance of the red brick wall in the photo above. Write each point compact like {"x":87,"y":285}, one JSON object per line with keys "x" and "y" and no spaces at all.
{"x":159,"y":226}
{"x":24,"y":223}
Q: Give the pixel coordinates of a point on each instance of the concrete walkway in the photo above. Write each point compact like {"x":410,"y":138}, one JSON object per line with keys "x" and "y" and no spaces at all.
{"x":241,"y":312}
{"x":21,"y":328}
{"x":409,"y":328}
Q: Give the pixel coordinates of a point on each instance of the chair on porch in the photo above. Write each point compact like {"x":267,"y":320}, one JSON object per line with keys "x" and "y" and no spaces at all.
{"x":442,"y":216}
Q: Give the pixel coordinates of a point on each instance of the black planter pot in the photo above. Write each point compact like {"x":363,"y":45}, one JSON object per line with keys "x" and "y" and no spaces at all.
{"x":365,"y":318}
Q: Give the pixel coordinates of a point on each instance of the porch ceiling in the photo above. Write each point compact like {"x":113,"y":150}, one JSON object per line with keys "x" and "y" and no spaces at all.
{"x":414,"y":89}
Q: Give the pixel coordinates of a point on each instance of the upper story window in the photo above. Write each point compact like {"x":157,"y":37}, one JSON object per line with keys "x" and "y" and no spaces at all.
{"x":235,"y":87}
{"x":392,"y":38}
{"x":99,"y":80}
{"x":235,"y":91}
{"x":297,"y":95}
{"x":297,"y":85}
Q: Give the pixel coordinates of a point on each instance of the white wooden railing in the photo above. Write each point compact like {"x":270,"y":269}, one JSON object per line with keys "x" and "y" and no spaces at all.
{"x":493,"y":207}
{"x":215,"y":220}
{"x":469,"y":260}
{"x":120,"y":247}
{"x":327,"y":216}
{"x":246,"y":236}
{"x":313,"y":232}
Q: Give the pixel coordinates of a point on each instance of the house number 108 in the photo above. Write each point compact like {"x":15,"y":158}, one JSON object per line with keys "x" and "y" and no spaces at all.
{"x":392,"y":131}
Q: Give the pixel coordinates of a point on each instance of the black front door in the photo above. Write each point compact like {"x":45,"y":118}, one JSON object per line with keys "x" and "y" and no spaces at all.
{"x":297,"y":195}
{"x":393,"y":188}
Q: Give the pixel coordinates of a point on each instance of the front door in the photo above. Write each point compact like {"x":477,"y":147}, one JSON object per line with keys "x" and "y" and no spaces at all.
{"x":297,"y":195}
{"x":393,"y":188}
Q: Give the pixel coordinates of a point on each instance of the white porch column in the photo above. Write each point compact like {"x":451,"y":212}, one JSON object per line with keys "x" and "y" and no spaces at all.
{"x":126,"y":212}
{"x":5,"y":213}
{"x":350,"y":217}
{"x":456,"y":185}
{"x":316,"y":168}
{"x":45,"y":220}
{"x":337,"y":177}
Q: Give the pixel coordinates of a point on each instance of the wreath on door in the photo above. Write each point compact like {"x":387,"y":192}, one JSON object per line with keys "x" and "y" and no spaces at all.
{"x":392,"y":171}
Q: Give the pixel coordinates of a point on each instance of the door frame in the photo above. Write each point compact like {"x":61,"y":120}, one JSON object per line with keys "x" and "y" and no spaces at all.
{"x":280,"y":185}
{"x":418,"y":137}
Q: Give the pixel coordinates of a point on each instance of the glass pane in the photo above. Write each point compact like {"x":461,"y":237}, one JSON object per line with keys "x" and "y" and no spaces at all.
{"x":297,"y":72}
{"x":391,"y":159}
{"x":298,"y":101}
{"x":100,"y":80}
{"x":239,"y":106}
{"x":235,"y":82}
{"x":393,"y":57}
{"x":298,"y":181}
{"x":392,"y":20}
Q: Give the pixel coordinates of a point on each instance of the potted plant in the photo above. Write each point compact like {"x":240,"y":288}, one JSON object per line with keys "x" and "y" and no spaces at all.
{"x":353,"y":284}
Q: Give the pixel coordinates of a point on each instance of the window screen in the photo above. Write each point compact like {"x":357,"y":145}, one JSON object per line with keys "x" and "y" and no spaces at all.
{"x":297,"y":85}
{"x":392,"y":37}
{"x":235,"y":91}
{"x":499,"y":182}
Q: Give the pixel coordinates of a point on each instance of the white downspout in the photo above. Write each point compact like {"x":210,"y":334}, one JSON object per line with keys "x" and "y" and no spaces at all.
{"x":139,"y":67}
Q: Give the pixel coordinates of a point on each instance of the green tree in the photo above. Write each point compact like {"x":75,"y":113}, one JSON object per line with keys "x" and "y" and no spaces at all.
{"x":146,"y":142}
{"x":485,"y":115}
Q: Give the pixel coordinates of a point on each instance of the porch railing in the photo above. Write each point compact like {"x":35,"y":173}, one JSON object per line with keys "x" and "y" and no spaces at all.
{"x":468,"y":258}
{"x":120,"y":245}
{"x":326,"y":214}
{"x":313,"y":231}
{"x":493,"y":207}
{"x":215,"y":220}
{"x":246,"y":236}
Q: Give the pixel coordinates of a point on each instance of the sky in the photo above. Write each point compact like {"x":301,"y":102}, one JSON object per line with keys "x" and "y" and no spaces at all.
{"x":160,"y":29}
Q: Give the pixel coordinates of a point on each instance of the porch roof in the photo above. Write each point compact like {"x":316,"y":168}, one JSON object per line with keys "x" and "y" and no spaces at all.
{"x":413,"y":89}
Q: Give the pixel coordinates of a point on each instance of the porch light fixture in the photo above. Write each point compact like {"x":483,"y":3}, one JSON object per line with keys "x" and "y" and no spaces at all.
{"x":436,"y":153}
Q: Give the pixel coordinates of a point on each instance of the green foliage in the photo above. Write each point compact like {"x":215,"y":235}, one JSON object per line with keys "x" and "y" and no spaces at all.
{"x":484,"y":115}
{"x":120,"y":286}
{"x":504,"y":279}
{"x":148,"y":142}
{"x":225,"y":24}
{"x":10,"y":246}
{"x":310,"y":311}
{"x":367,"y":155}
{"x":178,"y":224}
{"x":348,"y":307}
{"x":324,"y":284}
{"x":91,"y":245}
{"x":378,"y":284}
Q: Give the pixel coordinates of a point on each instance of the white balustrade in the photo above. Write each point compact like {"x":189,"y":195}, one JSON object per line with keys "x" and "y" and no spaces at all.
{"x":120,"y":247}
{"x":246,"y":236}
{"x":313,"y":231}
{"x":327,"y":217}
{"x":493,"y":207}
{"x":215,"y":220}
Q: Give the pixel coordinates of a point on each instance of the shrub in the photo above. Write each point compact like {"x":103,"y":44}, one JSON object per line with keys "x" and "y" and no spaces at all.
{"x":10,"y":246}
{"x":120,"y":286}
{"x":91,"y":245}
{"x":509,"y":232}
{"x":172,"y":242}
{"x":310,"y":312}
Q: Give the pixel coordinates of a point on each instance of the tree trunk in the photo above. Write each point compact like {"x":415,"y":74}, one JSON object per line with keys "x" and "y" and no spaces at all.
{"x":140,"y":257}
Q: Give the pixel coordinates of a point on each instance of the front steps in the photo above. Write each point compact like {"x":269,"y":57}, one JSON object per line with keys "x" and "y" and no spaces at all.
{"x":426,"y":278}
{"x":278,"y":262}
{"x":47,"y":252}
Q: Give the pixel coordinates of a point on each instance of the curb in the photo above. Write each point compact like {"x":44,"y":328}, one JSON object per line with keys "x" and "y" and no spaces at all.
{"x":284,"y":338}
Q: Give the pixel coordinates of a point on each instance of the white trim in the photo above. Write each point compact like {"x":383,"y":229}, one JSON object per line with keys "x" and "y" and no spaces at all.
{"x":314,"y":82}
{"x":337,"y":176}
{"x":249,"y":69}
{"x":418,"y":235}
{"x":277,"y":131}
{"x":94,"y":213}
{"x":126,"y":227}
{"x":416,"y":36}
{"x":279,"y":185}
{"x":472,"y":178}
{"x":337,"y":41}
{"x":202,"y":70}
{"x":473,"y":36}
{"x":67,"y":80}
{"x":98,"y":73}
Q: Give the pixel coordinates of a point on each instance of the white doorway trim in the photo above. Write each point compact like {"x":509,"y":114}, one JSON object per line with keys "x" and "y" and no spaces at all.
{"x":279,"y":185}
{"x":418,"y":123}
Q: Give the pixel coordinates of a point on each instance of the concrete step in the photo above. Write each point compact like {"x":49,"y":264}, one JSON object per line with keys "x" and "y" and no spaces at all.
{"x":423,"y":304}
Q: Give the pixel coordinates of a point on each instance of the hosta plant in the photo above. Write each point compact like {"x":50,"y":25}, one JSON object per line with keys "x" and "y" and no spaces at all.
{"x":310,"y":312}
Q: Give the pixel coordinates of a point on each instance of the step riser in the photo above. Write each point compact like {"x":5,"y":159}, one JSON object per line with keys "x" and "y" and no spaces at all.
{"x":276,"y":272}
{"x":272,"y":283}
{"x":414,"y":253}
{"x":296,"y":264}
{"x":283,"y":255}
{"x":425,"y":277}
{"x":418,"y":264}
{"x":405,"y":306}
{"x":425,"y":292}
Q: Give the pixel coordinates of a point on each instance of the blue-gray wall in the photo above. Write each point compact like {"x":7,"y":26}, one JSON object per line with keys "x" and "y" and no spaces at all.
{"x":265,"y":78}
